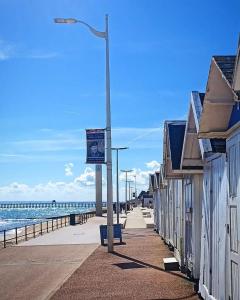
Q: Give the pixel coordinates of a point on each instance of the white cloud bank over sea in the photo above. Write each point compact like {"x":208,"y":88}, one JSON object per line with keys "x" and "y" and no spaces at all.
{"x":81,"y":188}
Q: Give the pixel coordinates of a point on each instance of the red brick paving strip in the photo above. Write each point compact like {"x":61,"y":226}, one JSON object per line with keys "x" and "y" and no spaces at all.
{"x":134,"y":271}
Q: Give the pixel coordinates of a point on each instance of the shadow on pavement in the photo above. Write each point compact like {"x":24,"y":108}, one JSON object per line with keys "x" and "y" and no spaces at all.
{"x":151,"y":266}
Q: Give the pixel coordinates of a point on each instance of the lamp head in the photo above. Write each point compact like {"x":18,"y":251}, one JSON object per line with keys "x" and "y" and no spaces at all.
{"x":65,"y":21}
{"x":119,"y":148}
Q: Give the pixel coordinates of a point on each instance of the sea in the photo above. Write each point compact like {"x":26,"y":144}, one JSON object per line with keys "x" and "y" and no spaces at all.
{"x":11,"y":218}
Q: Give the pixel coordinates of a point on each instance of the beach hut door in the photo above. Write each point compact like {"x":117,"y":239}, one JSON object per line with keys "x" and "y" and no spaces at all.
{"x":188,"y":223}
{"x":233,"y":151}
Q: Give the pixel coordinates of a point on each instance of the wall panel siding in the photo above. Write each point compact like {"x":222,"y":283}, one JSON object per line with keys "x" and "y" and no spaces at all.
{"x":233,"y":152}
{"x":213,"y":257}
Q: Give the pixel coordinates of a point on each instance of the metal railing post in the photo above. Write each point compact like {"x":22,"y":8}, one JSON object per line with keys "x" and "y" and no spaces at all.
{"x":4,"y":238}
{"x":16,"y":237}
{"x":41,"y":228}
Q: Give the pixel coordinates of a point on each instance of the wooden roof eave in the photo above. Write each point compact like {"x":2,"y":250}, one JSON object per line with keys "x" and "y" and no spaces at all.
{"x":218,"y":103}
{"x":190,"y":134}
{"x":219,"y":134}
{"x":235,"y":96}
{"x":205,"y":145}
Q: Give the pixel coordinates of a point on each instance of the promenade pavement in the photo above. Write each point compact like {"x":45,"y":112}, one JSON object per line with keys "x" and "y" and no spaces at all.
{"x":134,"y":271}
{"x":135,"y":219}
{"x":35,"y":269}
{"x":35,"y":272}
{"x":87,"y":233}
{"x":69,"y":263}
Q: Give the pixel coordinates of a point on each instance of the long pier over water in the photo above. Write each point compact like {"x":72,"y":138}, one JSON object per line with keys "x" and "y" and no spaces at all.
{"x":48,"y":205}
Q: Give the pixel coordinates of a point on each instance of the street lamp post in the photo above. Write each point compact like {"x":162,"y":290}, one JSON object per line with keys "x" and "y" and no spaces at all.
{"x":129,"y":189}
{"x":117,"y":184}
{"x":126,"y":172}
{"x":104,"y":35}
{"x":135,"y":176}
{"x":131,"y":192}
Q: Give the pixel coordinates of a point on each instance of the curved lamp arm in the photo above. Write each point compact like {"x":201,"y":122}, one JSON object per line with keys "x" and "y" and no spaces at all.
{"x":101,"y":34}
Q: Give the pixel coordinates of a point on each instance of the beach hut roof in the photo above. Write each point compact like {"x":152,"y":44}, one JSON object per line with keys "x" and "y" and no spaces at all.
{"x":206,"y":146}
{"x":191,"y":158}
{"x":221,"y":101}
{"x":226,"y":64}
{"x":162,"y":180}
{"x":157,"y":179}
{"x":173,"y":143}
{"x":151,"y":182}
{"x":236,"y":76}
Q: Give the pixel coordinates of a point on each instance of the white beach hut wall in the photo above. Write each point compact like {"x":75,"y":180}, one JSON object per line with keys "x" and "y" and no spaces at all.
{"x":172,"y":210}
{"x":220,"y":122}
{"x":192,"y":168}
{"x":154,"y":189}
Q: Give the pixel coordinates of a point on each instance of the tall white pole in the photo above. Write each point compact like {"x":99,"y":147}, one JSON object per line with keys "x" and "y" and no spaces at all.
{"x":135,"y":187}
{"x":98,"y":180}
{"x":129,"y":190}
{"x":126,"y":193}
{"x":109,"y":152}
{"x":117,"y":206}
{"x":108,"y":124}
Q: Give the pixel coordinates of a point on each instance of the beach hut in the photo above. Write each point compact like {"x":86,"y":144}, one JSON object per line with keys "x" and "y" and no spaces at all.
{"x":156,"y":201}
{"x":154,"y":190}
{"x":172,"y":190}
{"x":146,"y":199}
{"x":183,"y":169}
{"x":162,"y":203}
{"x":219,"y":123}
{"x":191,"y":207}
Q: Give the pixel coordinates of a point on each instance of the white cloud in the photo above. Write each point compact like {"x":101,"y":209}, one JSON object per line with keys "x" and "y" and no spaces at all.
{"x":154,"y":165}
{"x":142,"y":176}
{"x":87,"y":178}
{"x":69,"y":169}
{"x":80,"y":188}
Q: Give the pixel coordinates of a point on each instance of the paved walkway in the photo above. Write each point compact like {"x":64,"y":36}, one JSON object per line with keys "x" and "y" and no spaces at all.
{"x":135,"y":219}
{"x":69,"y":264}
{"x":37,"y":268}
{"x":134,"y":271}
{"x":87,"y":233}
{"x":35,"y":272}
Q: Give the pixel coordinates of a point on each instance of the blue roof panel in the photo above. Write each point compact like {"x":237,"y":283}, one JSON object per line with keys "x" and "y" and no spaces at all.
{"x":176,"y":136}
{"x":235,"y":115}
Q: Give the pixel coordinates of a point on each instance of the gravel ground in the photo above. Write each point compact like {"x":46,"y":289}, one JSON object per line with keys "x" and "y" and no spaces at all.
{"x":134,"y":271}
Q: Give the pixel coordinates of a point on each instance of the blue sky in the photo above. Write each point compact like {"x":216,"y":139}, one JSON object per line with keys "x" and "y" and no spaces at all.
{"x":53,"y":85}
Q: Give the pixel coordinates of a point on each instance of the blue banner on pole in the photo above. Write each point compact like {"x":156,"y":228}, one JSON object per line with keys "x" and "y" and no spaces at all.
{"x":95,"y":146}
